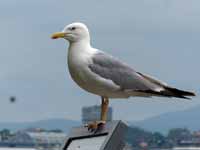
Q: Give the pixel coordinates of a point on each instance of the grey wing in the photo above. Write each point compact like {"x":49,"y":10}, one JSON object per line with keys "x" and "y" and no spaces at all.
{"x":120,"y":73}
{"x":128,"y":79}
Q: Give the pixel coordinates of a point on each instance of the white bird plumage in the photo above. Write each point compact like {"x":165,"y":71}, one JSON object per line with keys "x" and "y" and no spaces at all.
{"x":104,"y":75}
{"x":81,"y":56}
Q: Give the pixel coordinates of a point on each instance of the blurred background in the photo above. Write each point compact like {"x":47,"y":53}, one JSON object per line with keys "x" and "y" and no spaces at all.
{"x":158,"y":37}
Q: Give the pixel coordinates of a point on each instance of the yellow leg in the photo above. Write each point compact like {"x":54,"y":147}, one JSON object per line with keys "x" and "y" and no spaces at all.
{"x":104,"y":108}
{"x":96,"y":125}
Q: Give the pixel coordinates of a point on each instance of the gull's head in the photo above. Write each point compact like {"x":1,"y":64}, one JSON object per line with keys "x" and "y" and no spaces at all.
{"x":74,"y":32}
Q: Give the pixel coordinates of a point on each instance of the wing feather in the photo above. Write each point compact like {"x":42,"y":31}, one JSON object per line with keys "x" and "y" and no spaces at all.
{"x":129,"y":80}
{"x":120,"y":73}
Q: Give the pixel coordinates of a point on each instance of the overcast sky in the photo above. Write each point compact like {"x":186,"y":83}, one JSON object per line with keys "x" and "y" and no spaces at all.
{"x":158,"y":37}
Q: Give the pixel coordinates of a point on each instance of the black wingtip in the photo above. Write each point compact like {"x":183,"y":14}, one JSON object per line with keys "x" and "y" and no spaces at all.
{"x":184,"y":97}
{"x":173,"y":92}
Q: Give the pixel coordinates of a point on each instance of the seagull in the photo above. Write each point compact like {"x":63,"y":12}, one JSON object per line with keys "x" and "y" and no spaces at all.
{"x":102,"y":74}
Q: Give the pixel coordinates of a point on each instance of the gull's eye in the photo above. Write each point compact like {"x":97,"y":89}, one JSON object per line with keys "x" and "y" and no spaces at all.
{"x":73,"y":28}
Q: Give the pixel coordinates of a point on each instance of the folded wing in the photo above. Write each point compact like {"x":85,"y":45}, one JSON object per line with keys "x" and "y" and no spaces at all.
{"x":128,"y":79}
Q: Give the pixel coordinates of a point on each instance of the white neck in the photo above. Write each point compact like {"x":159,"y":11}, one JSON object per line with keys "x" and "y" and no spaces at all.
{"x":79,"y":51}
{"x":79,"y":46}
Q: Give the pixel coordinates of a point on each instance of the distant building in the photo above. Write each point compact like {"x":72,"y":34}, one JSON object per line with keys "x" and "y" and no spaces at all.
{"x":49,"y":138}
{"x":93,"y":113}
{"x":22,"y":137}
{"x":196,"y":134}
{"x":35,"y":138}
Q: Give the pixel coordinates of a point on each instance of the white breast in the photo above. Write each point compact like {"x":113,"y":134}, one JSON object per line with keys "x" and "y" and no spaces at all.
{"x":78,"y":61}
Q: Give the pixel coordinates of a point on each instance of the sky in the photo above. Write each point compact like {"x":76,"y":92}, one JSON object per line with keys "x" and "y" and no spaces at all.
{"x":157,"y":37}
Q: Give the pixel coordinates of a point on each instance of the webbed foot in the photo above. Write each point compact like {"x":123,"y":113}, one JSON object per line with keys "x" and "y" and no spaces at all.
{"x":95,"y":126}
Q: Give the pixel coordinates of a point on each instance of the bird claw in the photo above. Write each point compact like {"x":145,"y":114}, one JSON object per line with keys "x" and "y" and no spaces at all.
{"x":95,"y":126}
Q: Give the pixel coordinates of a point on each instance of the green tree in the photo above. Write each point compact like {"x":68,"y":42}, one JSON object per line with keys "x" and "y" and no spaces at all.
{"x":177,"y":134}
{"x":137,"y":135}
{"x":5,"y":134}
{"x":158,"y":140}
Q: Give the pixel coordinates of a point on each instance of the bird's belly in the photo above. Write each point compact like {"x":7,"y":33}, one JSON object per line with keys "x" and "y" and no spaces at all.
{"x":87,"y":81}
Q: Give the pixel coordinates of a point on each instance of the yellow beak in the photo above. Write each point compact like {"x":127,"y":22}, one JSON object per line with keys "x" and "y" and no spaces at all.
{"x":58,"y":35}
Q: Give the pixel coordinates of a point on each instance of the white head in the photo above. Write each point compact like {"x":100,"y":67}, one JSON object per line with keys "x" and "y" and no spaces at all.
{"x":74,"y":32}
